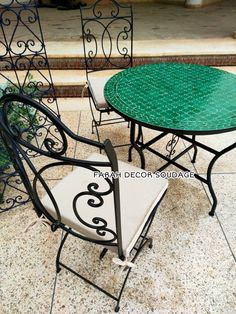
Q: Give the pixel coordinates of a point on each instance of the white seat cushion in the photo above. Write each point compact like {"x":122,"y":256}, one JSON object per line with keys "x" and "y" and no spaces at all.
{"x":137,"y":199}
{"x":96,"y":84}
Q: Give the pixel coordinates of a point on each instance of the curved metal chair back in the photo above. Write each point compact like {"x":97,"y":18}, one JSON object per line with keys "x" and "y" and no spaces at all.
{"x":41,"y":134}
{"x":107,"y":30}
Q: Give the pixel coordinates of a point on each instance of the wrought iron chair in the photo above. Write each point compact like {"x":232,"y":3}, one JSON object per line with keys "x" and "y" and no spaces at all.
{"x":24,"y":68}
{"x":107,"y":31}
{"x":109,"y":210}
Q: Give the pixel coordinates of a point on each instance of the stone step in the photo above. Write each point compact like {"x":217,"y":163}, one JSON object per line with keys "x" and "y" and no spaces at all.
{"x":230,"y":69}
{"x":74,"y":86}
{"x":67,"y":83}
{"x":215,"y":52}
{"x":70,"y":83}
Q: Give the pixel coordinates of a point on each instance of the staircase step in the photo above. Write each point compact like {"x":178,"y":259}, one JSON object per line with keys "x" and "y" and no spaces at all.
{"x":78,"y":80}
{"x":230,"y":69}
{"x":67,"y":83}
{"x":70,"y":83}
{"x":215,"y":52}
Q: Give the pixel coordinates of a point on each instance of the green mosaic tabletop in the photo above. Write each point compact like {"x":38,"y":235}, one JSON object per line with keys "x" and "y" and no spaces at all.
{"x":184,"y":98}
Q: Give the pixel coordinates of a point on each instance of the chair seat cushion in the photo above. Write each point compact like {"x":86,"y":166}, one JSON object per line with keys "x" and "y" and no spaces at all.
{"x":96,"y":84}
{"x":138,"y":197}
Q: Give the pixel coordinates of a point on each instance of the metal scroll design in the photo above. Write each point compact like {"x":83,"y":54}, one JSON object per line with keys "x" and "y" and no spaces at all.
{"x":24,"y":69}
{"x":10,"y":3}
{"x":170,"y":146}
{"x":107,"y":35}
{"x":95,"y":200}
{"x":39,"y":133}
{"x":23,"y":59}
{"x":10,"y":179}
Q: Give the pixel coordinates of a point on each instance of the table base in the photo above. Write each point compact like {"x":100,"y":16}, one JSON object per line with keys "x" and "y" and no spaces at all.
{"x":137,"y":143}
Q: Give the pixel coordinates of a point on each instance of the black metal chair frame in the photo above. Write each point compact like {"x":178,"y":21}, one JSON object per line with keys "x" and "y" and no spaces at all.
{"x":19,"y":56}
{"x":91,"y":16}
{"x":54,"y":145}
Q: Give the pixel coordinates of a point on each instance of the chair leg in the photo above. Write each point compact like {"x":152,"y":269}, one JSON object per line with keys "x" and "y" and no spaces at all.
{"x":195,"y":151}
{"x":145,"y":241}
{"x":94,"y":122}
{"x":150,"y":243}
{"x":103,"y":253}
{"x":58,"y":268}
{"x":117,"y":307}
{"x":141,"y":243}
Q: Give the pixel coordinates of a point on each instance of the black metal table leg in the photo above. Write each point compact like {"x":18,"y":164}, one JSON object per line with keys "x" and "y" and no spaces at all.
{"x":140,"y":146}
{"x":136,"y":143}
{"x":195,"y":150}
{"x":209,"y":171}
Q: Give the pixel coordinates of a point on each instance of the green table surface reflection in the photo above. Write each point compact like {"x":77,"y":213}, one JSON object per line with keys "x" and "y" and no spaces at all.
{"x":183,"y":98}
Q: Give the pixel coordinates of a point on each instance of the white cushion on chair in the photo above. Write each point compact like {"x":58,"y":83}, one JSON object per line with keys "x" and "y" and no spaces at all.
{"x":138,"y":197}
{"x":96,"y":84}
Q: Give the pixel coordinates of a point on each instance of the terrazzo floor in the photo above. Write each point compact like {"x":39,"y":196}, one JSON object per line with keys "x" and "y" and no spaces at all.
{"x":191,"y":268}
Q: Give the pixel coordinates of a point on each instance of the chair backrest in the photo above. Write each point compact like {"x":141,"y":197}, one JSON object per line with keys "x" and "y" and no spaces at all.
{"x":24,"y":66}
{"x":107,"y":31}
{"x":41,"y":134}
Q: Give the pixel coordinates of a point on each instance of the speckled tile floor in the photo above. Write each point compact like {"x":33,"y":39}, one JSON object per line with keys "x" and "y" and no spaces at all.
{"x":191,"y":268}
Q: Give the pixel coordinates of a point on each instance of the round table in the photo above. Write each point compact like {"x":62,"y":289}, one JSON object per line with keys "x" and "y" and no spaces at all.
{"x":177,"y":98}
{"x":183,"y":98}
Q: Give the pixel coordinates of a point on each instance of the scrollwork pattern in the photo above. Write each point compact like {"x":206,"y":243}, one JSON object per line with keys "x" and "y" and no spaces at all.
{"x":170,"y":146}
{"x":9,"y":180}
{"x":107,"y":34}
{"x":35,"y":129}
{"x":97,"y":12}
{"x":18,"y":3}
{"x":22,"y":51}
{"x":96,"y":200}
